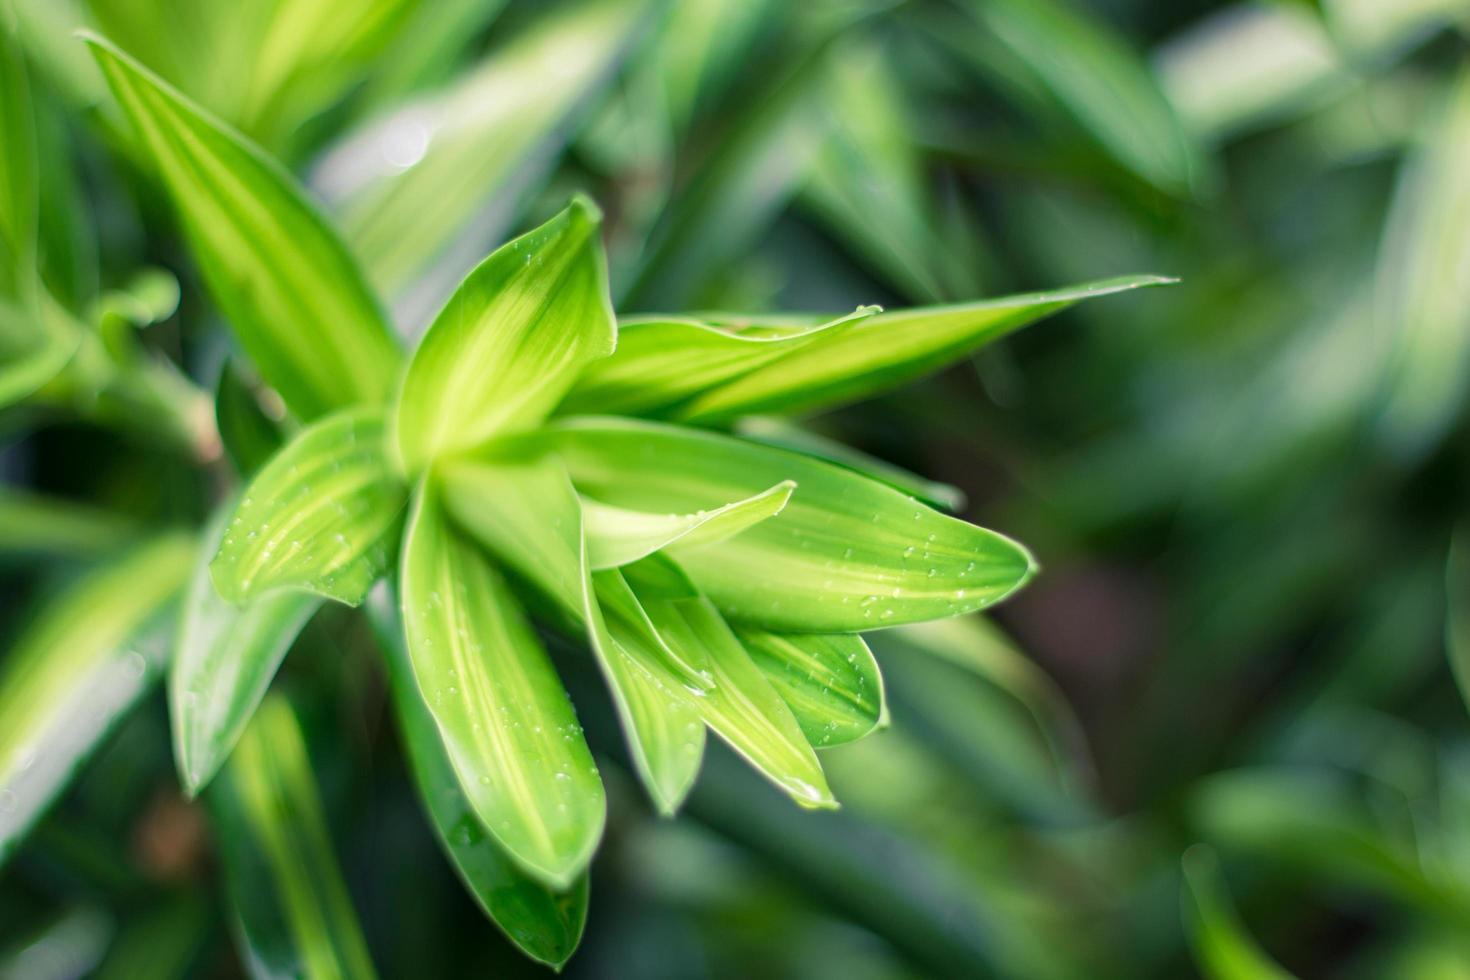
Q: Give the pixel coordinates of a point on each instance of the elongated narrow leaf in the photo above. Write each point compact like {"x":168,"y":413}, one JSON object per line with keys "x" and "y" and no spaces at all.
{"x":663,"y":362}
{"x":32,"y":524}
{"x":1424,"y":285}
{"x":846,"y":554}
{"x":322,"y":517}
{"x":510,"y":341}
{"x":885,"y":351}
{"x":616,"y":536}
{"x":1223,"y":950}
{"x":1108,"y":89}
{"x":296,"y":918}
{"x":774,"y":431}
{"x":223,"y":663}
{"x":36,"y":341}
{"x":296,"y":300}
{"x":830,"y":681}
{"x":78,"y":668}
{"x":249,"y":436}
{"x":527,"y":513}
{"x":506,"y":723}
{"x":545,"y":924}
{"x":19,"y":181}
{"x":742,"y":706}
{"x":426,"y":187}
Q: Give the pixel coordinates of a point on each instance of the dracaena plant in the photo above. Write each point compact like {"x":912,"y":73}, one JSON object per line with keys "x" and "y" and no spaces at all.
{"x":536,"y":464}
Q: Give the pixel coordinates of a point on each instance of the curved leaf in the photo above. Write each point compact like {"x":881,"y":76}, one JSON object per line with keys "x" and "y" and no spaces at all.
{"x":510,"y":340}
{"x":663,"y":362}
{"x":527,"y":514}
{"x":546,"y":925}
{"x":616,"y":536}
{"x":1223,"y":950}
{"x":224,"y":660}
{"x":506,"y":723}
{"x":846,"y":554}
{"x":742,"y":706}
{"x":885,"y":351}
{"x":830,"y":681}
{"x":295,"y":914}
{"x":295,"y":298}
{"x":321,"y":517}
{"x":77,"y":669}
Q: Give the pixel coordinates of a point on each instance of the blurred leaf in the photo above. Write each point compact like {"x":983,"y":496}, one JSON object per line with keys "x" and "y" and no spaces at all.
{"x":846,"y":554}
{"x":778,"y":432}
{"x":512,"y":735}
{"x":1223,"y":950}
{"x":1108,"y":89}
{"x":296,"y":300}
{"x":295,"y":916}
{"x":36,"y":342}
{"x":884,"y":351}
{"x":829,"y":680}
{"x":33,"y":524}
{"x":661,"y":364}
{"x":1424,"y":285}
{"x":76,"y":670}
{"x":527,"y":514}
{"x":742,"y":706}
{"x":322,"y":516}
{"x":224,"y":660}
{"x":161,"y":944}
{"x":1457,"y":620}
{"x":411,"y":183}
{"x":545,"y":924}
{"x":19,"y":180}
{"x":510,"y":341}
{"x":428,"y":49}
{"x":247,"y":434}
{"x":616,"y":536}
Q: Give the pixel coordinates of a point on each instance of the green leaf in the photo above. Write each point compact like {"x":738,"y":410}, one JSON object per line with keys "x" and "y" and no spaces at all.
{"x":296,"y":918}
{"x":293,"y":295}
{"x":19,"y":179}
{"x":224,"y":660}
{"x":321,"y":517}
{"x":248,"y":435}
{"x":661,"y":363}
{"x":616,"y":536}
{"x":510,"y":340}
{"x":846,"y":554}
{"x":32,"y":524}
{"x":414,"y":180}
{"x":506,"y":723}
{"x":545,"y":924}
{"x":36,"y":342}
{"x":1457,"y":617}
{"x":76,"y":670}
{"x":1223,"y":950}
{"x":1424,"y":285}
{"x":528,"y":515}
{"x":884,"y":352}
{"x":829,"y":680}
{"x":774,"y":431}
{"x":742,"y":706}
{"x":1108,"y":89}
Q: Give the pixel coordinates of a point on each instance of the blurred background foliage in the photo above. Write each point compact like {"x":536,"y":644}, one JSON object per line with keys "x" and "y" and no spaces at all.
{"x":1219,"y":735}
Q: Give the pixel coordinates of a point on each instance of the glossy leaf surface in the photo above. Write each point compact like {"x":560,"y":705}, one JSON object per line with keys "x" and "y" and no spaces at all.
{"x":829,"y":680}
{"x":322,"y":516}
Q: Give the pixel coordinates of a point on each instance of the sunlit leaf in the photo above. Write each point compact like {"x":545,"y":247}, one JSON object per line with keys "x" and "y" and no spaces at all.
{"x":885,"y":351}
{"x":510,"y":341}
{"x":1223,"y":950}
{"x":1424,"y":285}
{"x":224,"y":660}
{"x":545,"y":924}
{"x":36,"y":341}
{"x":528,"y":515}
{"x":846,"y":554}
{"x":295,"y":298}
{"x":413,"y":181}
{"x":76,"y":670}
{"x":742,"y":706}
{"x":616,"y":536}
{"x":19,"y":181}
{"x":321,"y":517}
{"x":33,"y":524}
{"x":829,"y":680}
{"x":507,"y":726}
{"x":296,"y":918}
{"x":663,"y":362}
